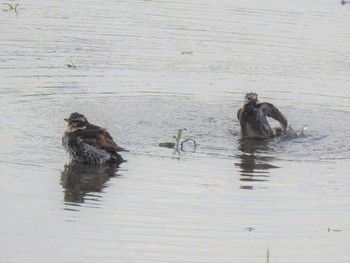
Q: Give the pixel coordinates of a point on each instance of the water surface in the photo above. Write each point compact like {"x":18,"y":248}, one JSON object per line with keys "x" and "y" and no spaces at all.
{"x":145,"y":69}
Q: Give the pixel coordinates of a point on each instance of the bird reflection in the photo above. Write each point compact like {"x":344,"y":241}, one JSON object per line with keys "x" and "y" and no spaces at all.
{"x":82,"y":181}
{"x":254,"y":164}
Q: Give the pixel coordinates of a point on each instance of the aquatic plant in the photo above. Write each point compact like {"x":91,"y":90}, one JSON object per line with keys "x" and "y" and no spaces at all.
{"x":11,"y":7}
{"x":178,"y":137}
{"x":178,"y":143}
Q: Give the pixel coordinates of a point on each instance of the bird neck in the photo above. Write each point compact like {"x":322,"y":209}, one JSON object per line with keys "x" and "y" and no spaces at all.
{"x":251,"y":105}
{"x":70,"y":128}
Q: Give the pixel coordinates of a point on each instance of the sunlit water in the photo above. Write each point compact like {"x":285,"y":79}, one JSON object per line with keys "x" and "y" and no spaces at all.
{"x":145,"y":69}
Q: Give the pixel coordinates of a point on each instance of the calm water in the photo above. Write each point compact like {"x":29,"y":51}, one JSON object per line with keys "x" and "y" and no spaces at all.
{"x":145,"y":69}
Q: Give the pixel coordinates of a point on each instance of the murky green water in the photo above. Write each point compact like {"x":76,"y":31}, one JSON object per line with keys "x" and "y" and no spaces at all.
{"x":145,"y":69}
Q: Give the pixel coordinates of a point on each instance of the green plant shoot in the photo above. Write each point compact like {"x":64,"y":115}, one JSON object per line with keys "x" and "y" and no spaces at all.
{"x":178,"y":138}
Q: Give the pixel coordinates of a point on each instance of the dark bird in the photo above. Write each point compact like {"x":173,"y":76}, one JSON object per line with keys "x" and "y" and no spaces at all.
{"x":89,"y":143}
{"x":253,"y":118}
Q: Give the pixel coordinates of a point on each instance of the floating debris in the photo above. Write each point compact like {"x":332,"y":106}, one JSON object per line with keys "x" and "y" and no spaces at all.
{"x":187,"y":52}
{"x":333,"y":230}
{"x":71,"y":65}
{"x":11,"y":7}
{"x":170,"y":145}
{"x":186,"y":140}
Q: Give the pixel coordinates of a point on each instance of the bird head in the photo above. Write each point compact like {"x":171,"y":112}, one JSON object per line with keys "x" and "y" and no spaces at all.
{"x":76,"y":121}
{"x":249,"y":97}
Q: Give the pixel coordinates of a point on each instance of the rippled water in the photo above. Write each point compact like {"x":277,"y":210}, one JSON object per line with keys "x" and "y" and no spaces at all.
{"x":145,"y":69}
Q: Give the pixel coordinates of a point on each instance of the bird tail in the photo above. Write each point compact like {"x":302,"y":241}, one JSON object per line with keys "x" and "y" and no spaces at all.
{"x":117,"y":158}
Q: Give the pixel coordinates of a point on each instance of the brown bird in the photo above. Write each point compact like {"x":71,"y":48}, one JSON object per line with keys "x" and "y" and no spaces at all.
{"x":253,"y":118}
{"x":89,"y":143}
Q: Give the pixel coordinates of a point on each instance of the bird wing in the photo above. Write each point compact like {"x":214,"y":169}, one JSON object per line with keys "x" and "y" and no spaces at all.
{"x":106,"y":142}
{"x":239,"y":113}
{"x":101,"y":139}
{"x":271,"y":111}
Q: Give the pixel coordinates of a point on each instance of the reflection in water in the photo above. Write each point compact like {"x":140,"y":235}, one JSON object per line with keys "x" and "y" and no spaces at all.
{"x":81,"y":181}
{"x":254,"y":166}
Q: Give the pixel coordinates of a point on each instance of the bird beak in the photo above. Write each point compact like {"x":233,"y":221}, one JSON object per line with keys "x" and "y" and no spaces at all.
{"x":67,"y":120}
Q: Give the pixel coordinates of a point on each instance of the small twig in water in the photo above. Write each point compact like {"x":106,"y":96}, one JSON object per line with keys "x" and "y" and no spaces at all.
{"x":334,"y":230}
{"x":11,"y":7}
{"x":186,"y":140}
{"x":187,"y":52}
{"x":71,"y":65}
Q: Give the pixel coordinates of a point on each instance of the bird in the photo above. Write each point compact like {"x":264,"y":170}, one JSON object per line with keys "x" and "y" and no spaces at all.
{"x":253,"y":118}
{"x":89,"y":143}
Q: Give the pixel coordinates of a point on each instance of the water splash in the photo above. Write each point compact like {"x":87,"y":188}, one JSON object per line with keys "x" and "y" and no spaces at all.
{"x":300,"y":133}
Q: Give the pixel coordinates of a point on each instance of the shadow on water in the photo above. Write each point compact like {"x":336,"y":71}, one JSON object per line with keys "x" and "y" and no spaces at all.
{"x":83,"y":182}
{"x":253,"y":162}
